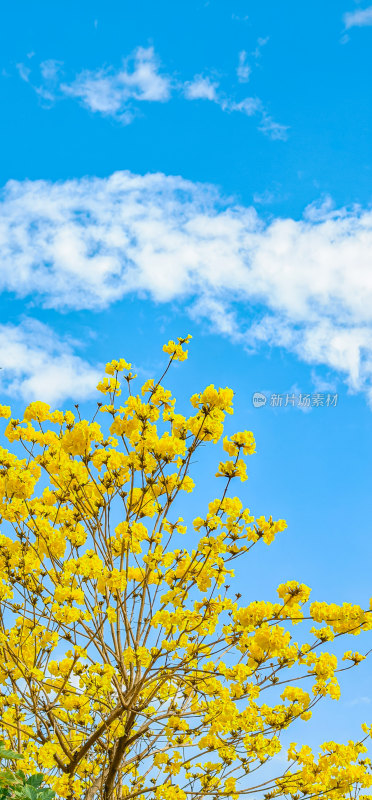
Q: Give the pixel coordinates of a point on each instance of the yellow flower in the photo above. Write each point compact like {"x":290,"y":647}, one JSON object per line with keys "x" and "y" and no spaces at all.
{"x":350,"y":656}
{"x":117,"y":366}
{"x":232,"y":469}
{"x":208,"y":674}
{"x":38,"y":411}
{"x":175,"y":350}
{"x":109,"y":386}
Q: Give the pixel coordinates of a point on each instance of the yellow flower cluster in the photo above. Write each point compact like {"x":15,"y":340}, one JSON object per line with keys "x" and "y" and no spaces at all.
{"x":175,"y":350}
{"x":244,"y":441}
{"x":127,"y":669}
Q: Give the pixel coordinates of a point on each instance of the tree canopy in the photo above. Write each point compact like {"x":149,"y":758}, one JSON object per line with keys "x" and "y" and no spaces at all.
{"x":128,"y":667}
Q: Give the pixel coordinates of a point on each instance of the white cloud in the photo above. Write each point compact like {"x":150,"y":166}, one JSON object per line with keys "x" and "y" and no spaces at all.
{"x":88,"y":243}
{"x":50,"y":69}
{"x":97,"y":91}
{"x":321,"y":383}
{"x":358,"y":701}
{"x":243,"y":70}
{"x":118,"y":92}
{"x":37,"y":364}
{"x":248,"y":106}
{"x":24,"y":72}
{"x":111,"y":92}
{"x":201,"y":89}
{"x":264,"y":198}
{"x":358,"y":19}
{"x":261,"y":42}
{"x":274,"y":129}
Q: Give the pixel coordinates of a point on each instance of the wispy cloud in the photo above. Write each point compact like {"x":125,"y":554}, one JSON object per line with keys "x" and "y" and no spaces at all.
{"x":119,"y":92}
{"x":323,"y":384}
{"x":50,"y":72}
{"x":37,"y":363}
{"x":106,"y":90}
{"x":243,"y":69}
{"x":261,"y":42}
{"x":359,"y":701}
{"x":265,"y":198}
{"x":272,"y":128}
{"x":113,"y":92}
{"x":201,"y":89}
{"x":88,"y":243}
{"x":358,"y":19}
{"x":248,"y":106}
{"x":24,"y":72}
{"x":50,"y":69}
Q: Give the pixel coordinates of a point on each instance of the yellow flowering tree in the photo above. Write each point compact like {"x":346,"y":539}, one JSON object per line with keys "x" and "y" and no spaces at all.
{"x":127,"y":668}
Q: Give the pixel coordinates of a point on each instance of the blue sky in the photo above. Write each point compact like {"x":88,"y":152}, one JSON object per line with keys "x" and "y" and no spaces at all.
{"x":204,"y":167}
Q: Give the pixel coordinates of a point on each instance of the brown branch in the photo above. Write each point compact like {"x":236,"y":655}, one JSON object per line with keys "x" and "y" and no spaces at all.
{"x":120,"y":747}
{"x":117,"y":711}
